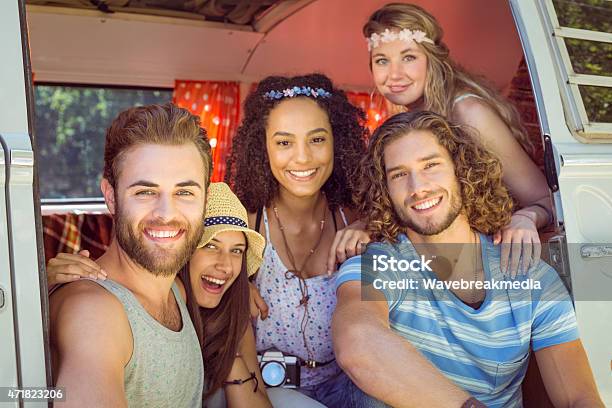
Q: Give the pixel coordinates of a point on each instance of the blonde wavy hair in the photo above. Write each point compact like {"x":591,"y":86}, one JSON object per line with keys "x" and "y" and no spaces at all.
{"x":446,"y":80}
{"x":486,"y":201}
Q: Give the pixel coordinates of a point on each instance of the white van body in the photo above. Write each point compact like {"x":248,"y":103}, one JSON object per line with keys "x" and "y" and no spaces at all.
{"x":22,"y":344}
{"x":87,"y":46}
{"x":584,"y":199}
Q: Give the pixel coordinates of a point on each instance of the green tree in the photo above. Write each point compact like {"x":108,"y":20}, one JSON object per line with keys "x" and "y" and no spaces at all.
{"x":70,"y":124}
{"x":590,"y":57}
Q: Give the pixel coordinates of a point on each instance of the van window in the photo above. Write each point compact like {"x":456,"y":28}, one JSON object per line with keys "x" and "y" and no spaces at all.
{"x":582,"y":30}
{"x":590,"y":57}
{"x":597,"y":102}
{"x":71,"y":122}
{"x":584,"y":14}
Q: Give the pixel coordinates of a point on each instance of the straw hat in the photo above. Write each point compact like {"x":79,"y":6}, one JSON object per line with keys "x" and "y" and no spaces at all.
{"x":225,"y":212}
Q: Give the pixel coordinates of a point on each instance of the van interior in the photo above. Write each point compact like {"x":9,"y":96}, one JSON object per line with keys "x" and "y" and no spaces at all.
{"x":92,"y":58}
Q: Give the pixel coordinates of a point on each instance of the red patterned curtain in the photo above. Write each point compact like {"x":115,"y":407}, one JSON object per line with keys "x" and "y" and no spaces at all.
{"x":218,"y":106}
{"x":73,"y":232}
{"x":374,"y":106}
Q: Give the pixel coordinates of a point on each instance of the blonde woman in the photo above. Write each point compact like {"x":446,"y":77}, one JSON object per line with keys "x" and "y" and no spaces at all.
{"x":411,"y":67}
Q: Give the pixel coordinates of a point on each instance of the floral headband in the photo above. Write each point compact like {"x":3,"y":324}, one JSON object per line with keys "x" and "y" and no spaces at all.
{"x":297,"y":91}
{"x":405,"y":35}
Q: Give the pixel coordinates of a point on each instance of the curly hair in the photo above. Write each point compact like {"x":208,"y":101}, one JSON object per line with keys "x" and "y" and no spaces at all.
{"x":248,"y":167}
{"x":446,"y":80}
{"x":486,"y":201}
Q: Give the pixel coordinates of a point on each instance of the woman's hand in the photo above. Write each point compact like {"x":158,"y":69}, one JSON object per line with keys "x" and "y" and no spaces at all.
{"x":257,"y":304}
{"x":70,"y":267}
{"x":520,"y":243}
{"x":349,"y":241}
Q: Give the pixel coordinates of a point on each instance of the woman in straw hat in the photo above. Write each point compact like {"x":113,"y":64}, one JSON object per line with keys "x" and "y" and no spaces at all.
{"x":411,"y":67}
{"x":217,"y":289}
{"x":215,"y":284}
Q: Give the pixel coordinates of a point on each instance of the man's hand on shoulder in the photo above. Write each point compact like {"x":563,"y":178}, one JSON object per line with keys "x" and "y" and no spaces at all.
{"x":92,"y":343}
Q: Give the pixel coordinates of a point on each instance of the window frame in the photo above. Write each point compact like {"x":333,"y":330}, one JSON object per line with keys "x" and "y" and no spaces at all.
{"x":577,"y":119}
{"x":85,"y":204}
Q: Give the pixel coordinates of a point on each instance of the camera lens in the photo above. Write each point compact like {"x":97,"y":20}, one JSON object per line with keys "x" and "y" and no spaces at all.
{"x":273,"y":373}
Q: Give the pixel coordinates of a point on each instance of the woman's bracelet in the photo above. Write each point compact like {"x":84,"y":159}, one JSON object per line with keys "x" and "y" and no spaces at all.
{"x":546,"y":210}
{"x":240,"y":382}
{"x":548,"y":214}
{"x":526,"y":216}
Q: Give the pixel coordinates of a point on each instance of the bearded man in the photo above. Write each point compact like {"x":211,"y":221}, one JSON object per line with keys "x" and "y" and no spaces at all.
{"x":128,"y":340}
{"x":460,"y":333}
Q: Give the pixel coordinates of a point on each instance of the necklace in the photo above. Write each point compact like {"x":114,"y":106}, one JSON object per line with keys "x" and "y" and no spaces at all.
{"x":296,"y":272}
{"x":294,"y":269}
{"x":474,"y":297}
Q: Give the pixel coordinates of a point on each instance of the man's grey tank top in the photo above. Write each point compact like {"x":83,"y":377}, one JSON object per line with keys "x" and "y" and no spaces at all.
{"x":166,"y":368}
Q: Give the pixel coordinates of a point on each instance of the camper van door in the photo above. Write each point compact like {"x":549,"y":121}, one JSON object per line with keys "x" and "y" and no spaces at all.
{"x":22,"y":352}
{"x":582,"y":153}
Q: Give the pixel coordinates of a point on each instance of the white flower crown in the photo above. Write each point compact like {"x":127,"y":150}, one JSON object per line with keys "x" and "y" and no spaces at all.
{"x":405,"y":35}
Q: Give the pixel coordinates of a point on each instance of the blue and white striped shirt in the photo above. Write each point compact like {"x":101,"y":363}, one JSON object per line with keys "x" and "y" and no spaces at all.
{"x":486,"y":350}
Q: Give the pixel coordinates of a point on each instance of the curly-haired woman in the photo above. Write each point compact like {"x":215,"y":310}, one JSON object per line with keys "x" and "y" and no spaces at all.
{"x":291,"y":165}
{"x":411,"y":67}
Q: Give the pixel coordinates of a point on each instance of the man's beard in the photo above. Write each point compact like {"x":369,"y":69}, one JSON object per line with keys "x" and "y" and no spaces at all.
{"x":432,"y":228}
{"x":158,"y":261}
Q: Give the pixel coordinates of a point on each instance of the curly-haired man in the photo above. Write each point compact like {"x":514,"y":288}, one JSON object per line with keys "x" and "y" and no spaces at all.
{"x":447,"y":326}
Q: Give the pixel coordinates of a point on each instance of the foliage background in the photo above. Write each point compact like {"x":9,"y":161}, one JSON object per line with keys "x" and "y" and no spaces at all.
{"x":590,"y":57}
{"x":70,"y":125}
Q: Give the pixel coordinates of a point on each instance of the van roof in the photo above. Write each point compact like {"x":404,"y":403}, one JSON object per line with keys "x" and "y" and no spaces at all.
{"x":84,"y":45}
